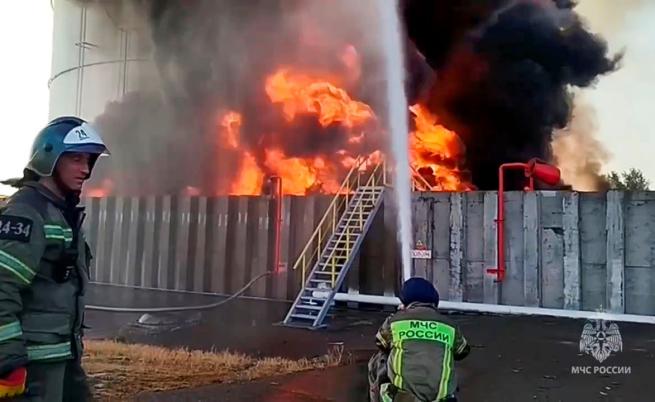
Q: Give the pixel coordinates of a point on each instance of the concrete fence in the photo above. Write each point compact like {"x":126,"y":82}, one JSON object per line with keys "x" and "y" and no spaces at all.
{"x":566,"y":250}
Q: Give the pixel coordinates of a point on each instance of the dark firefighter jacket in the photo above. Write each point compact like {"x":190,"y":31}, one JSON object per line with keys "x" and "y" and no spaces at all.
{"x":43,"y":274}
{"x":422,"y":347}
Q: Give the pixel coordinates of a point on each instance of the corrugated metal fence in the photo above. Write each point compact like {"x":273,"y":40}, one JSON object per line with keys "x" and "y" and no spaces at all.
{"x":199,"y":244}
{"x":582,"y":251}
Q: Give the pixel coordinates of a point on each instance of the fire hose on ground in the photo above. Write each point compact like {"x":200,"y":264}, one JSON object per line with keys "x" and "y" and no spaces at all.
{"x":144,"y":310}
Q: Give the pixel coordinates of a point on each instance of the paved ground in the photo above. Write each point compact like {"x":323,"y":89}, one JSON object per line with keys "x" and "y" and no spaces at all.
{"x":513,"y":358}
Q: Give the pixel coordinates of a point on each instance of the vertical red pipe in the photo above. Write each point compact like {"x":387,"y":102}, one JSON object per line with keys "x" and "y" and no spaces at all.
{"x":500,"y":220}
{"x":500,"y":225}
{"x":276,"y":181}
{"x":550,"y":175}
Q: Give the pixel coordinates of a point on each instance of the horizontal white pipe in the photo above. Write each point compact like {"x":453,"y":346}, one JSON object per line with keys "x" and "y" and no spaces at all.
{"x":502,"y":309}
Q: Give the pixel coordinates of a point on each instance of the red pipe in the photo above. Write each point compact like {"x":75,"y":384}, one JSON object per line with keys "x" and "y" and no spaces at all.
{"x":500,"y":220}
{"x":534,"y":167}
{"x":276,"y":181}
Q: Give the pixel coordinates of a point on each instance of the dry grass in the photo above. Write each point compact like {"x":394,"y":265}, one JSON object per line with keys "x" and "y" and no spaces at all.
{"x":119,"y":371}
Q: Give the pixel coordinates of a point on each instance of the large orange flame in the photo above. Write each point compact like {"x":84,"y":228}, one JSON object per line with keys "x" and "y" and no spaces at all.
{"x":435,"y":151}
{"x":300,"y":93}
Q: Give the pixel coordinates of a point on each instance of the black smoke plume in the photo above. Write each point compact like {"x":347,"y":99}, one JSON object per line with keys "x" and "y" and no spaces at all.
{"x":214,"y":56}
{"x":505,"y":69}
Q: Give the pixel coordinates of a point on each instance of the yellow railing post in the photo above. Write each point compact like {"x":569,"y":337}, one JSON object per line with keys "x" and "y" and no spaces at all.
{"x":303,"y":269}
{"x":333,"y":209}
{"x":334,"y":268}
{"x":338,"y":208}
{"x":347,"y":240}
{"x":334,"y":220}
{"x":361,"y":214}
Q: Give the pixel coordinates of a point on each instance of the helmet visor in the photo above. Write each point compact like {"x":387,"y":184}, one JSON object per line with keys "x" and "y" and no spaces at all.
{"x":87,"y":148}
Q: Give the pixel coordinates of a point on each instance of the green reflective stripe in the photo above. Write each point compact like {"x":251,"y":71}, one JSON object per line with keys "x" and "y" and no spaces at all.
{"x":53,"y":230}
{"x":46,"y":352}
{"x":57,"y":232}
{"x":22,"y":271}
{"x":11,"y":330}
{"x":445,"y":375}
{"x":384,"y":393}
{"x":398,"y":365}
{"x":68,"y":234}
{"x":423,"y":331}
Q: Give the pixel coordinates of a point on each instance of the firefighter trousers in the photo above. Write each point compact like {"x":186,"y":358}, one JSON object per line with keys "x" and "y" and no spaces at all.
{"x":63,"y":381}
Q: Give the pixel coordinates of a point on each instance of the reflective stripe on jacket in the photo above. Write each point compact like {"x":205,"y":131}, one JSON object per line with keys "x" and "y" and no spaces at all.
{"x":40,"y":315}
{"x":421,"y":344}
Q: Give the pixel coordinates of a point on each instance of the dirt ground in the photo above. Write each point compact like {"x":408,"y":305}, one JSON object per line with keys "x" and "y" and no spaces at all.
{"x":513,"y":358}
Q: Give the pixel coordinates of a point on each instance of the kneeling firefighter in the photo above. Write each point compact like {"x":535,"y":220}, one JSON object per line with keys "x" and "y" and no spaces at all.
{"x":44,"y":262}
{"x":417,"y":349}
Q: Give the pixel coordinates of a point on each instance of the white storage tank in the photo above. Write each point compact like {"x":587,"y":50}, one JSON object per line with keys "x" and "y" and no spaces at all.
{"x":101,"y":50}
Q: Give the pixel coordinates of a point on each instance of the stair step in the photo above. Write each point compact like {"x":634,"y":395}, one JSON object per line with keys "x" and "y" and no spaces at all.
{"x":353,"y":218}
{"x":312,"y":303}
{"x":313,"y":290}
{"x":355,"y":214}
{"x":322,"y":272}
{"x":343,"y":227}
{"x":337,"y":255}
{"x":309,"y":307}
{"x":342,"y":244}
{"x":342,"y":240}
{"x":337,"y":251}
{"x":311,"y":299}
{"x":326,"y":265}
{"x":321,"y":281}
{"x":351,"y":222}
{"x":327,"y":260}
{"x":304,"y":316}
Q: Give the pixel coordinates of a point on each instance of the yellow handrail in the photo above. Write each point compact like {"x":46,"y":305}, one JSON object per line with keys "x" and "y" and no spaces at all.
{"x":328,"y":223}
{"x":341,"y":202}
{"x":369,"y":183}
{"x":331,"y":208}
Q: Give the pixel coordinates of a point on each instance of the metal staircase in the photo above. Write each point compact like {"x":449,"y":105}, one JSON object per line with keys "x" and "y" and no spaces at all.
{"x":334,"y":244}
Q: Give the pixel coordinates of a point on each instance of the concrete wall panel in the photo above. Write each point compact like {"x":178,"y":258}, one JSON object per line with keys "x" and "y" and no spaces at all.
{"x":590,"y":251}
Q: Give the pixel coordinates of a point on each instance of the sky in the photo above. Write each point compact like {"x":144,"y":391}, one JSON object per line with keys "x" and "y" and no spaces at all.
{"x":623,"y":101}
{"x":26,"y":45}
